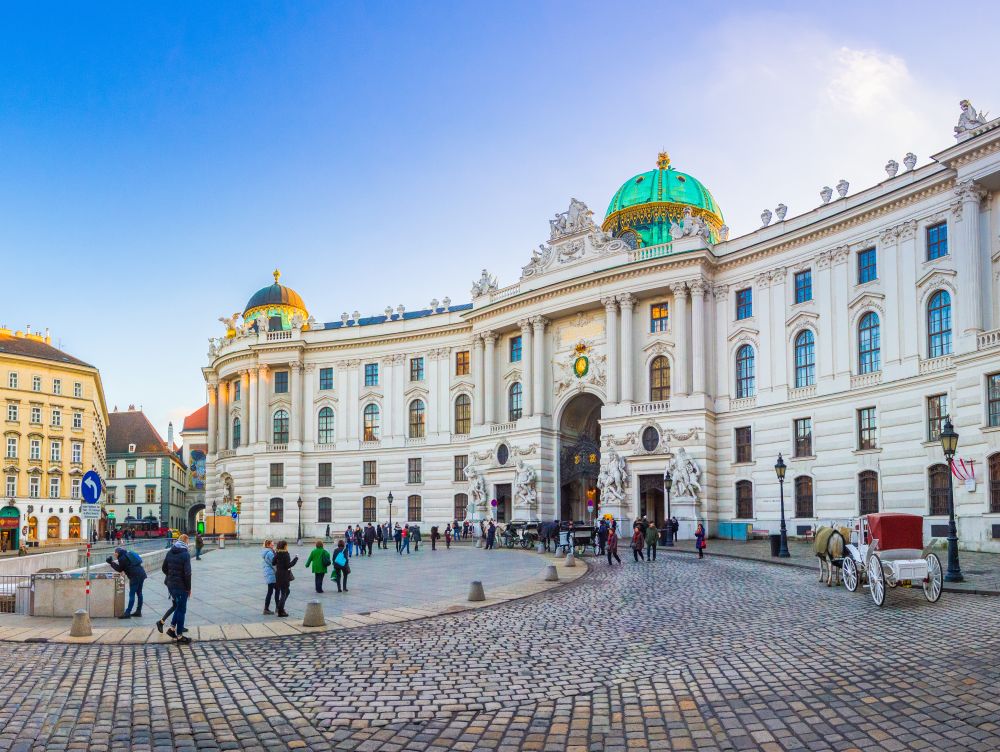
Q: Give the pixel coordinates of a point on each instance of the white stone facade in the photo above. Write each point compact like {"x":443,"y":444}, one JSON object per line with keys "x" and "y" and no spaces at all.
{"x":585,"y":293}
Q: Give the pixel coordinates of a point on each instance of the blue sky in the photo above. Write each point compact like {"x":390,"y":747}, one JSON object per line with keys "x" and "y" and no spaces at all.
{"x":159,"y":161}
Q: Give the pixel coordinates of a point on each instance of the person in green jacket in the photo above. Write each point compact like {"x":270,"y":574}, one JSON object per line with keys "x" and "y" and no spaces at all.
{"x":651,"y":536}
{"x":319,"y":561}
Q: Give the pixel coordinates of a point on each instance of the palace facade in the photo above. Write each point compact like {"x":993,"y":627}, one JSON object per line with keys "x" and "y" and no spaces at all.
{"x":840,"y":338}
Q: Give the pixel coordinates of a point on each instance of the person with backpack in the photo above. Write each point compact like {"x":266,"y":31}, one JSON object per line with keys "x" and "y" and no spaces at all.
{"x":415,"y":536}
{"x":341,"y":567}
{"x":397,"y":535}
{"x":130,"y":563}
{"x":319,"y":560}
{"x":177,"y":567}
{"x":379,"y":536}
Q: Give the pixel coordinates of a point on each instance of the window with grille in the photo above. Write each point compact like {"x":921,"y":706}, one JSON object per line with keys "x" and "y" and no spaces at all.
{"x":867,"y":271}
{"x":325,"y":513}
{"x":805,"y":359}
{"x":744,"y":303}
{"x":77,"y":389}
{"x":236,"y":433}
{"x":937,"y":477}
{"x":461,"y":505}
{"x":803,"y":496}
{"x":868,"y":492}
{"x":937,"y":241}
{"x":515,"y":404}
{"x":325,"y":474}
{"x":463,"y":414}
{"x":371,"y":374}
{"x":803,"y":437}
{"x":462,"y":363}
{"x":659,"y":379}
{"x":937,"y":414}
{"x":461,"y":462}
{"x":277,"y":474}
{"x":325,"y":378}
{"x":515,"y":349}
{"x":413,"y":508}
{"x":867,"y":428}
{"x":993,"y":398}
{"x":744,"y":450}
{"x":744,"y":500}
{"x":150,"y":495}
{"x":369,"y":474}
{"x":281,"y":382}
{"x":277,"y":510}
{"x":659,"y":317}
{"x":280,"y":432}
{"x":371,"y":425}
{"x":414,"y":470}
{"x":418,"y":419}
{"x":369,"y":509}
{"x":416,"y":369}
{"x":803,"y":286}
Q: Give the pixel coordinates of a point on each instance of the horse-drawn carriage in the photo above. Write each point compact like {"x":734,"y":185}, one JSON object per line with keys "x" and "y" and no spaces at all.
{"x":523,"y":534}
{"x":884,"y":551}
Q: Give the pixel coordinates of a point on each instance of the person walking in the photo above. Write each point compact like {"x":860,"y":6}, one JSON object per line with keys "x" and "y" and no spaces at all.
{"x":349,"y":540}
{"x":177,"y":568}
{"x":283,"y":576}
{"x":699,"y":540}
{"x":199,"y":543}
{"x":397,"y":536}
{"x":380,"y":536}
{"x":637,"y":542}
{"x":491,"y":536}
{"x":434,"y":537}
{"x":130,"y":563}
{"x":415,"y":535}
{"x":267,"y":567}
{"x":341,"y":567}
{"x":404,"y":540}
{"x":652,"y":534}
{"x":447,"y":536}
{"x":328,"y":532}
{"x":369,"y":538}
{"x":613,"y":544}
{"x":359,"y":540}
{"x":319,"y":561}
{"x":602,"y":537}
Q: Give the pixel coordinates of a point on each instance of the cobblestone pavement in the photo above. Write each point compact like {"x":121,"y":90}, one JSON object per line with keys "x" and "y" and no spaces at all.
{"x":719,"y":654}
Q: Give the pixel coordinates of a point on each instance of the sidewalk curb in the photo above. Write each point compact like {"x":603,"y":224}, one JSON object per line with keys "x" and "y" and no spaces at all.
{"x":945,"y":588}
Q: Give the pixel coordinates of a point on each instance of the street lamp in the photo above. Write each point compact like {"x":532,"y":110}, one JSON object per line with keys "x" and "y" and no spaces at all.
{"x":299,"y":504}
{"x":668,"y":483}
{"x":213,"y":517}
{"x":949,"y":443}
{"x":390,"y":512}
{"x":779,"y":469}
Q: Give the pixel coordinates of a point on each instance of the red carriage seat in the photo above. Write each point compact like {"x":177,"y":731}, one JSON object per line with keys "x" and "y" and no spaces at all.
{"x":900,"y":536}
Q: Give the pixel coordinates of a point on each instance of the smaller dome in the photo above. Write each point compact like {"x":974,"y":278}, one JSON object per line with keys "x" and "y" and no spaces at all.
{"x":275,"y":295}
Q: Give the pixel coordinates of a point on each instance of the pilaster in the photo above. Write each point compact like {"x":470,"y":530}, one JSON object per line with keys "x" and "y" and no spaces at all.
{"x":611,"y":343}
{"x":626,"y":302}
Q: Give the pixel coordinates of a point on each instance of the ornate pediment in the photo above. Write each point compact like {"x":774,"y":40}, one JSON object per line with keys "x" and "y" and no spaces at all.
{"x":573,"y":237}
{"x":371,"y":394}
{"x":512,"y":374}
{"x":461,"y":386}
{"x":415,"y":390}
{"x":658,"y":347}
{"x":744,"y":332}
{"x":936,"y":278}
{"x":800,"y":318}
{"x":867,"y":300}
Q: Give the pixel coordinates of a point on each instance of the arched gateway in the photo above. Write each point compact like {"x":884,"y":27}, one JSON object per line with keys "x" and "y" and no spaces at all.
{"x":579,"y":457}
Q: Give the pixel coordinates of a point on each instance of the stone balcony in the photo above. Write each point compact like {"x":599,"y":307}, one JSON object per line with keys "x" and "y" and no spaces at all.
{"x":647,"y":408}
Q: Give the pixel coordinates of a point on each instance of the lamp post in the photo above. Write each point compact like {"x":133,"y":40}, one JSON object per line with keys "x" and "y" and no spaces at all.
{"x":779,"y":469}
{"x":949,"y":443}
{"x":299,"y":539}
{"x":390,"y":512}
{"x":213,"y":517}
{"x":668,"y":483}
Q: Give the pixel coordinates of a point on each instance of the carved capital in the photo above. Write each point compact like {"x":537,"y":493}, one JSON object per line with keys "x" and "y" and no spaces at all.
{"x":251,"y":372}
{"x":678,"y":289}
{"x":309,"y":368}
{"x":823,"y":259}
{"x":721,"y":292}
{"x":698,"y":288}
{"x":524,"y":325}
{"x":295,"y":366}
{"x":477,"y":342}
{"x":763,"y":280}
{"x":841,"y":254}
{"x":969,"y":192}
{"x":610,"y":303}
{"x":626,"y":300}
{"x":888,"y":237}
{"x":213,"y":381}
{"x":490,"y":338}
{"x":906,"y":230}
{"x":539,"y":322}
{"x":778,"y":276}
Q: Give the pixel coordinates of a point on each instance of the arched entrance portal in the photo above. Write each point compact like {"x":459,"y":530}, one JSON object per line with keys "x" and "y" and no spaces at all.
{"x":579,"y":457}
{"x":192,"y":521}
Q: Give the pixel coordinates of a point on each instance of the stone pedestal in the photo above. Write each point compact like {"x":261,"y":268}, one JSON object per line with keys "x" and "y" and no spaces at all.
{"x":686,"y":510}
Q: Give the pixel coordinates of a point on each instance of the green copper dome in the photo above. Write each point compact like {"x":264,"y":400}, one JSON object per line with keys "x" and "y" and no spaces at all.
{"x":275,"y":301}
{"x":642,"y":209}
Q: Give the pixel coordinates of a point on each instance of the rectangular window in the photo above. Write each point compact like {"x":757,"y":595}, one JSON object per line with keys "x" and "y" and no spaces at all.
{"x":130,"y":469}
{"x":937,"y":241}
{"x":416,"y":369}
{"x":993,"y":398}
{"x":462,"y":363}
{"x":414,"y":472}
{"x":744,"y":451}
{"x":368,"y":509}
{"x":56,"y":417}
{"x":57,"y":386}
{"x":11,"y":447}
{"x":12,"y":380}
{"x":867,"y":271}
{"x":36,"y":415}
{"x":138,"y":510}
{"x":36,"y":383}
{"x":77,"y":389}
{"x":12,"y":413}
{"x":803,"y":437}
{"x":371,"y":374}
{"x":659,"y":317}
{"x":77,"y":419}
{"x":803,"y":286}
{"x":369,"y":473}
{"x":55,"y":451}
{"x":325,"y":478}
{"x":277,"y":479}
{"x":461,"y":462}
{"x":130,"y":495}
{"x":53,"y":488}
{"x":237,"y":391}
{"x":744,"y":303}
{"x":11,"y":486}
{"x":150,"y":495}
{"x":866,"y":428}
{"x":77,"y":452}
{"x":413,"y":509}
{"x":150,"y":468}
{"x":515,"y":349}
{"x":937,"y":413}
{"x":34,"y":486}
{"x":112,"y":467}
{"x":281,"y":382}
{"x":35,"y":449}
{"x":325,"y":379}
{"x":111,"y":494}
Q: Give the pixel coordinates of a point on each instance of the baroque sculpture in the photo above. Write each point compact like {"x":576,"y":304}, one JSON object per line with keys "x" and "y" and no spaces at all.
{"x":842,"y":187}
{"x":231,"y":323}
{"x":910,"y":160}
{"x":969,"y":119}
{"x":826,"y":194}
{"x":575,"y":219}
{"x":686,"y":475}
{"x":485,"y":285}
{"x":765,"y":217}
{"x":891,"y":168}
{"x":613,"y":480}
{"x":780,"y":212}
{"x":525,"y":496}
{"x":477,"y":492}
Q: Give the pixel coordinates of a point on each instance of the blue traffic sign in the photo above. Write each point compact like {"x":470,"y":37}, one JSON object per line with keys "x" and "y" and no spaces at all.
{"x":91,"y":487}
{"x":234,"y":515}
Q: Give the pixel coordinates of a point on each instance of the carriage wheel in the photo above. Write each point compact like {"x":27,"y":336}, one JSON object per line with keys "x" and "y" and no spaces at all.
{"x":525,"y":542}
{"x":510,"y":543}
{"x":876,"y":580}
{"x":851,"y":577}
{"x":935,"y":580}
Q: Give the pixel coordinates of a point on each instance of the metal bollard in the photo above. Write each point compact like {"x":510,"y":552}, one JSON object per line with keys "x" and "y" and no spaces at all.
{"x":551,"y":575}
{"x":81,"y":624}
{"x":476,"y":592}
{"x":570,"y":559}
{"x":314,"y":615}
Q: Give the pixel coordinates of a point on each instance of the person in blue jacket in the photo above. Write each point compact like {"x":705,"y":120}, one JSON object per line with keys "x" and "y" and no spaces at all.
{"x":130,"y":563}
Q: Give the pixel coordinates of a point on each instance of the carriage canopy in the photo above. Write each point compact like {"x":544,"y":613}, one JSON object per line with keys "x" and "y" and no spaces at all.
{"x":895,"y":530}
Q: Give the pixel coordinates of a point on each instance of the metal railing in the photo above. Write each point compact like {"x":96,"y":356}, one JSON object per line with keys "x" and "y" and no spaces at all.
{"x":15,"y":593}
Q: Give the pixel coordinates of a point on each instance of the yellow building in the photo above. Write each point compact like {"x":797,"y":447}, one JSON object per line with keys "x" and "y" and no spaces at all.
{"x":54,"y":431}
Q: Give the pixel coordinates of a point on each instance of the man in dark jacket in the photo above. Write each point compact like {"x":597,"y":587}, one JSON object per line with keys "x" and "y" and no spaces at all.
{"x":369,"y":537}
{"x":177,"y":568}
{"x":130,"y":563}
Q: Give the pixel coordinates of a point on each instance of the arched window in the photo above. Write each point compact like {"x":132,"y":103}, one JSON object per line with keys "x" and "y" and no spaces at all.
{"x":418,"y":420}
{"x":745,"y":383}
{"x":280,"y":427}
{"x":939,"y":324}
{"x":515,"y":403}
{"x":325,"y":510}
{"x":462,"y":505}
{"x":74,"y":527}
{"x":803,"y":497}
{"x":744,"y":500}
{"x":236,"y":433}
{"x":463,"y":414}
{"x":994,"y":466}
{"x":869,"y":344}
{"x":868,"y":492}
{"x":52,"y":529}
{"x":937,"y":482}
{"x":277,"y":511}
{"x":659,"y":379}
{"x":325,"y":424}
{"x":805,"y":359}
{"x":371,"y":422}
{"x":413,"y":508}
{"x":368,"y":509}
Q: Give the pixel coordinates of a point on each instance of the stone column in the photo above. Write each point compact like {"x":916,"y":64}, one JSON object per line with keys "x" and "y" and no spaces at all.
{"x":698,"y":364}
{"x":213,"y":421}
{"x":762,"y":315}
{"x":527,"y":362}
{"x":538,"y":362}
{"x":478,"y":398}
{"x":627,"y":303}
{"x":244,"y":408}
{"x":776,"y":326}
{"x":823,"y":292}
{"x":263,"y":398}
{"x":344,"y":408}
{"x":308,"y":413}
{"x":680,"y":327}
{"x":968,"y":263}
{"x":399,"y":379}
{"x":888,"y":268}
{"x":722,"y":357}
{"x":250,"y":407}
{"x":223,"y":416}
{"x":295,"y":429}
{"x":907,"y":332}
{"x":489,"y":377}
{"x":611,"y":343}
{"x":841,"y":345}
{"x":387,"y":380}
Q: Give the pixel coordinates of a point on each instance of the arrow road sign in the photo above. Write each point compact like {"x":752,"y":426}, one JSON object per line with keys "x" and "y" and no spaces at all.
{"x":91,"y":487}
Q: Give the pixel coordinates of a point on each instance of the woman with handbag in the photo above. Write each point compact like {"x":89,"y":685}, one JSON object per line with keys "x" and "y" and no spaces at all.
{"x":341,"y":567}
{"x":699,"y":540}
{"x":283,"y":563}
{"x":637,"y":543}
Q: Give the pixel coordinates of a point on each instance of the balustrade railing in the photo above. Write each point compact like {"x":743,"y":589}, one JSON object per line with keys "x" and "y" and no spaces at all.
{"x":645,"y":408}
{"x":933,"y":365}
{"x":277,"y":447}
{"x":503,"y":427}
{"x":802,"y":392}
{"x":743,"y":403}
{"x":649,"y":252}
{"x":989,"y":339}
